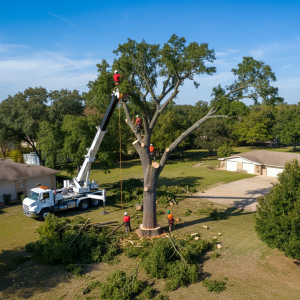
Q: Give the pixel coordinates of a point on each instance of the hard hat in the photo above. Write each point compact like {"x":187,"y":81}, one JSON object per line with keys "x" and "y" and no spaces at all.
{"x":168,"y":212}
{"x":151,"y":144}
{"x":137,"y":116}
{"x":125,"y":213}
{"x":116,"y":71}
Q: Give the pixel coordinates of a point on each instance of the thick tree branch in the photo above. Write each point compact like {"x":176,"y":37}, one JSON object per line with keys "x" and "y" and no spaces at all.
{"x":185,"y":134}
{"x":159,"y":111}
{"x":129,"y":122}
{"x":149,"y":87}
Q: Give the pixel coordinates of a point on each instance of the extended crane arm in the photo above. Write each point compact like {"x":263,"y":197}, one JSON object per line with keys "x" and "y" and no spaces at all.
{"x":92,"y":151}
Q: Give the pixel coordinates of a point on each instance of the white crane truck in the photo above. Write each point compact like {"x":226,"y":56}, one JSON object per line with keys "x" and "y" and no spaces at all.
{"x":42,"y":201}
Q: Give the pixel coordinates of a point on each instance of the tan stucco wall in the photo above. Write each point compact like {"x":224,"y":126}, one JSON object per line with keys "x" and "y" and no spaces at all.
{"x":24,"y":189}
{"x":264,"y":170}
{"x":239,"y":166}
{"x":257,"y":170}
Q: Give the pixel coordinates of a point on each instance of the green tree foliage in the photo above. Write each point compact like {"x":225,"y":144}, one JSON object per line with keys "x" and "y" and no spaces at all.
{"x":79,"y":133}
{"x":51,"y":137}
{"x":160,"y":259}
{"x":226,"y":150}
{"x":6,"y":135}
{"x":257,"y":126}
{"x":168,"y":129}
{"x":252,"y":81}
{"x":24,"y":112}
{"x":59,"y":243}
{"x":119,"y":286}
{"x":288,"y":124}
{"x":211,"y":135}
{"x":278,"y":213}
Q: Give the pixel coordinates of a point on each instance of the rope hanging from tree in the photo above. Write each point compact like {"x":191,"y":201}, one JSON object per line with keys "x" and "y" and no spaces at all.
{"x":120,"y":155}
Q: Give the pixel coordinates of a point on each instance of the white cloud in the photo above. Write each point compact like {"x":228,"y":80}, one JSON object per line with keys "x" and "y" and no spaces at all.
{"x":286,"y":67}
{"x":233,"y":51}
{"x":66,"y":21}
{"x":289,"y":83}
{"x":45,"y":68}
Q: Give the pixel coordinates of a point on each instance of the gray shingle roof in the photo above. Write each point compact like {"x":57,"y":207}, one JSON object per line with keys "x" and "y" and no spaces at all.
{"x":272,"y":158}
{"x":10,"y":170}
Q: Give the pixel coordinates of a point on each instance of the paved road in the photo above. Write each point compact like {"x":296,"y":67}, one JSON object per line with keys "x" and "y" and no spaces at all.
{"x":241,"y":193}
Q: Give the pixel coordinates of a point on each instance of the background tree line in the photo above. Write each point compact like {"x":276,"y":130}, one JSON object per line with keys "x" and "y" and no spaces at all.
{"x":59,"y":125}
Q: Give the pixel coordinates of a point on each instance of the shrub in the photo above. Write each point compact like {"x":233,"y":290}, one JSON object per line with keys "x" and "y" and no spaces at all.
{"x":6,"y":198}
{"x":226,"y":150}
{"x":187,"y":213}
{"x":19,"y":195}
{"x":17,"y":155}
{"x":214,"y":285}
{"x":278,"y":213}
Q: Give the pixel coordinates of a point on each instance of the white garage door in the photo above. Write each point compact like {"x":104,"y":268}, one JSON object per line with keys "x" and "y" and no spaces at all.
{"x":248,"y":167}
{"x":231,"y":165}
{"x":7,"y":188}
{"x":44,"y":180}
{"x":272,"y":171}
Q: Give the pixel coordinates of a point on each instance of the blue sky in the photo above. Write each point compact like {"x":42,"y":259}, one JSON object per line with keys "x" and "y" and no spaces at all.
{"x":56,"y":44}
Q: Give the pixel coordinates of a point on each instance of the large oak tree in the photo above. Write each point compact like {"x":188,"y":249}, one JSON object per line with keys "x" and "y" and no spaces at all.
{"x":159,"y":71}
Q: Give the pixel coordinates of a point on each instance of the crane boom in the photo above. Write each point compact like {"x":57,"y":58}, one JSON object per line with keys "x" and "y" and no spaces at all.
{"x":92,"y":151}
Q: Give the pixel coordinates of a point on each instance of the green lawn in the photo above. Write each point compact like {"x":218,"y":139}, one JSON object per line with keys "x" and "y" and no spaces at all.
{"x":253,"y":270}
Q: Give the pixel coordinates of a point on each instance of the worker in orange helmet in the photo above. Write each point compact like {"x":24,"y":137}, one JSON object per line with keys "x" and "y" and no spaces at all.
{"x":126,"y":220}
{"x":170,"y":221}
{"x":152,"y":152}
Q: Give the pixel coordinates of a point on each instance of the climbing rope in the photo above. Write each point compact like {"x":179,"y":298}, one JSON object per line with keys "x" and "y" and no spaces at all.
{"x":120,"y":155}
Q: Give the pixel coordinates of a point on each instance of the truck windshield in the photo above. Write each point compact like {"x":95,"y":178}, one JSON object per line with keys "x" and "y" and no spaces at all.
{"x":33,"y":196}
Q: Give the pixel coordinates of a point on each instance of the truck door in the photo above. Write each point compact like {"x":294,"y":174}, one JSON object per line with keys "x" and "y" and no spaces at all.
{"x":45,"y":200}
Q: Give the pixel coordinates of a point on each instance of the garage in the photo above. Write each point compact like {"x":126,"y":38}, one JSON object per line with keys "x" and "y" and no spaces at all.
{"x":43,"y":180}
{"x":8,"y":188}
{"x":231,"y":166}
{"x":248,"y":167}
{"x":273,"y":171}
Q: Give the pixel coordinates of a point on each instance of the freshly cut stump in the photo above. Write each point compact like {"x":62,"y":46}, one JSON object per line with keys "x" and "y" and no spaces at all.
{"x":146,"y":232}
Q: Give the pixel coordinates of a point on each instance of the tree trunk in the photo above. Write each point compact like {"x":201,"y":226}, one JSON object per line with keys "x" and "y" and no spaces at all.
{"x":150,"y":228}
{"x":295,"y":144}
{"x":3,"y":152}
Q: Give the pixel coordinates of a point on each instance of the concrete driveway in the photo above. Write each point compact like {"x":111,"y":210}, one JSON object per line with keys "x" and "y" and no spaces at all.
{"x":241,"y":193}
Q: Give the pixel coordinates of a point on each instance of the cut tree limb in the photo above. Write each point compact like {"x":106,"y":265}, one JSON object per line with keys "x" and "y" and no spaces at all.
{"x":116,"y":229}
{"x":177,"y":250}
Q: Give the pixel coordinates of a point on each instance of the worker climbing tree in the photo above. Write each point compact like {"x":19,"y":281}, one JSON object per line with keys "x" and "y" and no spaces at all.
{"x":138,"y":125}
{"x":173,"y":64}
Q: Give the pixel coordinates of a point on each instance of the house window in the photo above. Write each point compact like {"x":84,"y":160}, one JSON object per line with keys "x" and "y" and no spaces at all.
{"x":20,"y":184}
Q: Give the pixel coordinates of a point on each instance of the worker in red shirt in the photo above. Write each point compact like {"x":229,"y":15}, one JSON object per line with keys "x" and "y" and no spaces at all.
{"x":117,"y":78}
{"x":170,"y":221}
{"x":138,"y":125}
{"x":126,"y":220}
{"x":152,"y":152}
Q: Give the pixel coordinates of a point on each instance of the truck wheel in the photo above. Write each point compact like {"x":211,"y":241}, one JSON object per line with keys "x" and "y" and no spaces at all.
{"x":83,"y":205}
{"x":95,"y":202}
{"x":44,"y":213}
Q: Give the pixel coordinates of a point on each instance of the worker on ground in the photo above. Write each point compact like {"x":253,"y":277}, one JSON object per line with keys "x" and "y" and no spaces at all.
{"x":117,"y":78}
{"x":152,"y":152}
{"x":138,"y":125}
{"x":126,"y":220}
{"x":171,"y":221}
